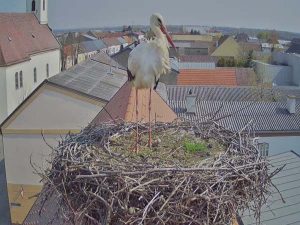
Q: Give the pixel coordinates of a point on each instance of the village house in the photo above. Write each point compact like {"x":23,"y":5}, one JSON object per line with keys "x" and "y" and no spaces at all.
{"x":113,"y":45}
{"x":87,"y":49}
{"x":192,"y":37}
{"x":228,"y":48}
{"x":192,"y":48}
{"x":29,"y":53}
{"x":284,"y":70}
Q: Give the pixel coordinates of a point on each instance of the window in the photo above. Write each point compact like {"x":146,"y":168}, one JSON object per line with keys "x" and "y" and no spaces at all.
{"x":17,"y":80}
{"x":47,"y":70}
{"x":44,"y":5}
{"x":21,"y":79}
{"x":34,"y":75}
{"x":33,"y":6}
{"x":263,"y":148}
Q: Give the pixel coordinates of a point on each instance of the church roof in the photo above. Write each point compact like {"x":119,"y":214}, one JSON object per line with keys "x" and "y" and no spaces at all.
{"x":21,"y":35}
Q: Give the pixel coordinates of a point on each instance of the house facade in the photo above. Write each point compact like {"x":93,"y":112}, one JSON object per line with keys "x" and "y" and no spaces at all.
{"x":29,"y":53}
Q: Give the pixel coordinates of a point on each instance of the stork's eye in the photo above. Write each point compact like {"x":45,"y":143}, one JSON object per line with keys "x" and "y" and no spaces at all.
{"x":159,"y":20}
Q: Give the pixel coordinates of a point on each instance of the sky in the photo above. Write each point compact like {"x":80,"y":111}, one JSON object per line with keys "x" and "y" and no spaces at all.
{"x":270,"y":14}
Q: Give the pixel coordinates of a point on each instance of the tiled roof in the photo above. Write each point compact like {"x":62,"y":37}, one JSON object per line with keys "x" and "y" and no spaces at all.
{"x":101,"y":35}
{"x":128,"y":39}
{"x":111,"y":41}
{"x":224,"y":77}
{"x":21,"y":35}
{"x":228,"y":94}
{"x":90,"y":46}
{"x":277,"y":212}
{"x":123,"y":104}
{"x":242,"y":37}
{"x":106,"y":59}
{"x":122,"y":56}
{"x":234,"y":115}
{"x":92,"y":78}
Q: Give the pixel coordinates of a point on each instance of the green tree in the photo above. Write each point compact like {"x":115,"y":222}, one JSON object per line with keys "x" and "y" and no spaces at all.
{"x":273,"y":37}
{"x":221,"y":62}
{"x":263,"y":35}
{"x":249,"y":59}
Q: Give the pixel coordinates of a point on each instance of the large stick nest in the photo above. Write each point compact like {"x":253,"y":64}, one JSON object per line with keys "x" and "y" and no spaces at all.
{"x":102,"y":181}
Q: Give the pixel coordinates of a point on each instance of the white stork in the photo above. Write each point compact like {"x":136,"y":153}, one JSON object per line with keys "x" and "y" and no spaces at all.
{"x":148,"y":61}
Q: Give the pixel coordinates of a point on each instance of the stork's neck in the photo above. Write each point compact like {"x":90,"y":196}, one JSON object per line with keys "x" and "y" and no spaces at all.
{"x":156,"y":30}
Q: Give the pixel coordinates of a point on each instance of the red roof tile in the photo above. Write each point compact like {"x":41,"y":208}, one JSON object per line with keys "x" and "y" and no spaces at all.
{"x":122,"y":106}
{"x":219,"y":76}
{"x":111,"y":41}
{"x":21,"y":35}
{"x":101,"y":35}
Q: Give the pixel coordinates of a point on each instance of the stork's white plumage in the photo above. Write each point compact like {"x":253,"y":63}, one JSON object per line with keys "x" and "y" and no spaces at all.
{"x":148,"y":61}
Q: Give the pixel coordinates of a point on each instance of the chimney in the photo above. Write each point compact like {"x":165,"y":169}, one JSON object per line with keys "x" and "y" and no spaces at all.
{"x":291,"y":104}
{"x":191,"y":102}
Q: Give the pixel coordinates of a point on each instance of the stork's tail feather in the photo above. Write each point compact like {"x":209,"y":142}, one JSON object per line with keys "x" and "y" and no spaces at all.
{"x":130,"y":76}
{"x":156,"y":83}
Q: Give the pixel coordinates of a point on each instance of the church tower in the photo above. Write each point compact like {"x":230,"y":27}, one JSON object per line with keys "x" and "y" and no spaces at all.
{"x":40,"y":8}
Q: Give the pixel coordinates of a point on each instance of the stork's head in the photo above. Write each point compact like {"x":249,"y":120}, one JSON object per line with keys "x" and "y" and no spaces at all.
{"x":157,"y":23}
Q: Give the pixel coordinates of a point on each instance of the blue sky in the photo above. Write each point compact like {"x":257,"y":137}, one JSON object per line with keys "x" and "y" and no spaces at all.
{"x":271,"y":14}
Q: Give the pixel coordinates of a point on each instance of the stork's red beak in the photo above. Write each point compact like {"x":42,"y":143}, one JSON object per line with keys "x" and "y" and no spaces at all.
{"x":164,"y":30}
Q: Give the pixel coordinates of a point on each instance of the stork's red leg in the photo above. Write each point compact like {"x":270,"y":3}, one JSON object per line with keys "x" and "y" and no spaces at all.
{"x":150,"y":131}
{"x":136,"y":118}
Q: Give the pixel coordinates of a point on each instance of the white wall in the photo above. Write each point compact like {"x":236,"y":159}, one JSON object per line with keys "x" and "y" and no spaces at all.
{"x":293,"y":60}
{"x":18,"y":149}
{"x":282,"y":144}
{"x":113,"y":49}
{"x":48,"y":110}
{"x":54,"y":110}
{"x":84,"y":56}
{"x":3,"y":95}
{"x":15,"y":97}
{"x":276,"y":74}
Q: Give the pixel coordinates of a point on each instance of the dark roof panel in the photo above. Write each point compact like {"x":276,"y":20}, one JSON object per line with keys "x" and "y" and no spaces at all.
{"x":219,"y":93}
{"x":276,"y":212}
{"x":266,"y":116}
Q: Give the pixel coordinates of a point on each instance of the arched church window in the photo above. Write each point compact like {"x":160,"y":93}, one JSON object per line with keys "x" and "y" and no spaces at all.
{"x":33,"y":6}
